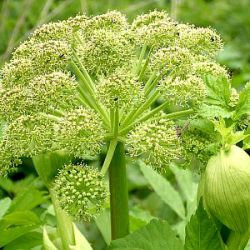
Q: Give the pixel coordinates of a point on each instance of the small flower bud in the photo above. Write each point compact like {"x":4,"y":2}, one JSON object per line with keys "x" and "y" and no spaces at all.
{"x":155,"y":29}
{"x":112,"y":20}
{"x":29,"y":135}
{"x":234,"y":97}
{"x":54,"y":90}
{"x":202,"y":41}
{"x":206,"y":67}
{"x":53,"y":31}
{"x":17,"y":72}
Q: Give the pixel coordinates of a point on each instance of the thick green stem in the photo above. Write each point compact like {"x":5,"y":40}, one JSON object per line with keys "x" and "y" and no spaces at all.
{"x":118,"y":193}
{"x":237,"y":241}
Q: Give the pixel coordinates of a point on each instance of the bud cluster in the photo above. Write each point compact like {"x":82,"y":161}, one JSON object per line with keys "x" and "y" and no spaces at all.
{"x":156,"y":141}
{"x":60,"y":89}
{"x":80,"y":190}
{"x":80,"y":132}
{"x":122,"y":88}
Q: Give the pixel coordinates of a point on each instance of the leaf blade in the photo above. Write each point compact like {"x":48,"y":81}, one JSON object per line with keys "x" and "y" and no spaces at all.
{"x":156,"y":235}
{"x":164,"y":189}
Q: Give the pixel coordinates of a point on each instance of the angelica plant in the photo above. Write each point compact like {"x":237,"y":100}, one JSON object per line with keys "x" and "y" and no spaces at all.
{"x":78,"y":85}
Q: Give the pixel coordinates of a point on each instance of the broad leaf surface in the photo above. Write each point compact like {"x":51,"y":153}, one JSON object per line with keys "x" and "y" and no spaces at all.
{"x":164,"y":189}
{"x":157,"y":235}
{"x":26,"y":241}
{"x":4,"y":206}
{"x":16,"y":224}
{"x":80,"y":241}
{"x":201,"y":233}
{"x":243,"y":106}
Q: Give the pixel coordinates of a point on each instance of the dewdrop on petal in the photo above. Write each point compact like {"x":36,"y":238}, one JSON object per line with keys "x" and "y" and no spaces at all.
{"x":183,"y":92}
{"x":81,"y":191}
{"x":80,"y":132}
{"x":156,"y":141}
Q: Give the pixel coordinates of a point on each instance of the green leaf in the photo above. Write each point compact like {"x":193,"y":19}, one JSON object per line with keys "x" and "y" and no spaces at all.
{"x":201,"y":232}
{"x":157,"y":235}
{"x":47,"y":243}
{"x":218,"y":98}
{"x":218,"y":91}
{"x":28,"y":199}
{"x":211,"y":111}
{"x":185,"y":180}
{"x":138,"y":218}
{"x":164,"y":190}
{"x":103,"y":224}
{"x":47,"y":165}
{"x":243,"y":106}
{"x":7,"y":184}
{"x":4,"y":206}
{"x":26,"y":241}
{"x":16,"y":224}
{"x":80,"y":241}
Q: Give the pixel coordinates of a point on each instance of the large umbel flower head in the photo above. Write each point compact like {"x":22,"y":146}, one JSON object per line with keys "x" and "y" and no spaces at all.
{"x":77,"y":84}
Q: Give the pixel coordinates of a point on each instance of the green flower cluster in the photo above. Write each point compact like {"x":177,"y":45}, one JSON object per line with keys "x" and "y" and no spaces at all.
{"x":77,"y":84}
{"x":122,"y":88}
{"x":156,"y":141}
{"x":80,"y":190}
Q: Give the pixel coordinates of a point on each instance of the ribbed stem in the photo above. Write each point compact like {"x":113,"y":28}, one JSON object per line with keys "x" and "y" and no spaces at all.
{"x":118,"y":193}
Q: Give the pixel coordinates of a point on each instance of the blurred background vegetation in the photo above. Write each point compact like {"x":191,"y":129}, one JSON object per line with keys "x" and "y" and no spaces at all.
{"x":18,"y":18}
